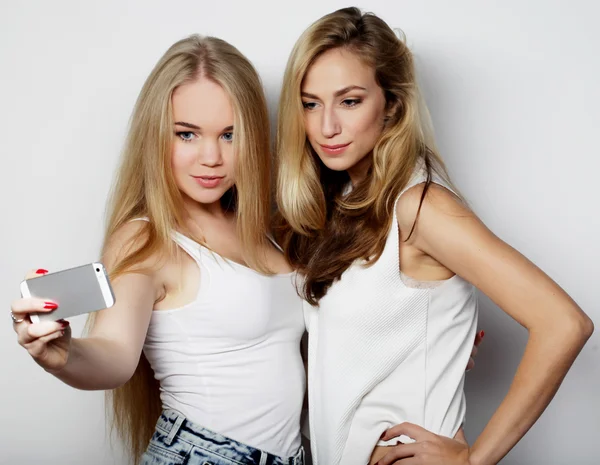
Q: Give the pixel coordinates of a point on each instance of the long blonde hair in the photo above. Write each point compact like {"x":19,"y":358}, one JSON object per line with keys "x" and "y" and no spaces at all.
{"x":323,"y":231}
{"x":145,"y":187}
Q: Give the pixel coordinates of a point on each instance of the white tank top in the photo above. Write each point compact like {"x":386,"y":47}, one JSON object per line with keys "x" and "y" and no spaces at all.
{"x":382,"y":353}
{"x":230,"y":360}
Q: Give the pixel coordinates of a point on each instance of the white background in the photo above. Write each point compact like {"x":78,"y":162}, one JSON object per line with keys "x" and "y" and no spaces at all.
{"x":513,"y":87}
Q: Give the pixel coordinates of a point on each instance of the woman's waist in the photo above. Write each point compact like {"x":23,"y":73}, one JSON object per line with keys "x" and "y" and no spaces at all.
{"x":271,"y":380}
{"x":403,"y":396}
{"x":250,"y":438}
{"x":230,"y":410}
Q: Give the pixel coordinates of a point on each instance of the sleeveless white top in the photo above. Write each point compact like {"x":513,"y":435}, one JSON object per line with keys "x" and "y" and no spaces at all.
{"x":230,"y":360}
{"x":382,"y":353}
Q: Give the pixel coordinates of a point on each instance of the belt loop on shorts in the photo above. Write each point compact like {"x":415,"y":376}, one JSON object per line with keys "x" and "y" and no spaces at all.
{"x":301,"y":459}
{"x":174,"y":429}
{"x":263,"y":458}
{"x":298,"y":459}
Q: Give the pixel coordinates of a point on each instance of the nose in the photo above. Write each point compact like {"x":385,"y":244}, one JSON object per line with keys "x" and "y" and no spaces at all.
{"x":210,"y":154}
{"x":330,"y":124}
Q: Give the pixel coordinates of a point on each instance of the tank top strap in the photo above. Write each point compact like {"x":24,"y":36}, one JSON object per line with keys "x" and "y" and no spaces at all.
{"x":191,"y":247}
{"x":141,"y":218}
{"x":274,"y":242}
{"x":420,"y":176}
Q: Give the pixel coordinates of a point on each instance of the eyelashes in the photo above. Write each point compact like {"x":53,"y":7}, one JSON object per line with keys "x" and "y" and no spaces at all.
{"x":347,"y":103}
{"x":185,"y":136}
{"x":189,"y":136}
{"x":309,"y":105}
{"x":351,"y":102}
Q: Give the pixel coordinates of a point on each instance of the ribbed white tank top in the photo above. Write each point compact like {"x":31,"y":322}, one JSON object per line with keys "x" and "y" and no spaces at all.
{"x":230,"y":360}
{"x":382,"y":353}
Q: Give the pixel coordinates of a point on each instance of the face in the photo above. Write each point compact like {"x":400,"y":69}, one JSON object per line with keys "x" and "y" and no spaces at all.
{"x":344,"y":111}
{"x":203,"y":159}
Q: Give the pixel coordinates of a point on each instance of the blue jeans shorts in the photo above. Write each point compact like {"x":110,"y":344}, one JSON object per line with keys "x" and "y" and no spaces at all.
{"x":179,"y":441}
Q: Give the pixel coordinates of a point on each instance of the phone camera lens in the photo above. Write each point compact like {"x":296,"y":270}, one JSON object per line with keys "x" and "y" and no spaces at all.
{"x":98,"y":270}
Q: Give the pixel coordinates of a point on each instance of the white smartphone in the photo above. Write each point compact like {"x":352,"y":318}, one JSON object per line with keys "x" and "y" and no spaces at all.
{"x":79,"y":290}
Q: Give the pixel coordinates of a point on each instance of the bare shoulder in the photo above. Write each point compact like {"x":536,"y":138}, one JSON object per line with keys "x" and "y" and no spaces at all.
{"x":451,"y":234}
{"x":137,"y":286}
{"x":418,"y":210}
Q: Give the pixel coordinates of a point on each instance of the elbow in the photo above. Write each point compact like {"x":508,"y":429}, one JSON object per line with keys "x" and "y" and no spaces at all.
{"x":118,"y":380}
{"x":587,"y":327}
{"x":121,"y":373}
{"x":126,"y":374}
{"x":116,"y":383}
{"x":570,"y":331}
{"x":578,"y":329}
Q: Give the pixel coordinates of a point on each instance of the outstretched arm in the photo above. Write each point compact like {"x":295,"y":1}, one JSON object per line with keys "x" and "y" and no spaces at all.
{"x":107,"y":358}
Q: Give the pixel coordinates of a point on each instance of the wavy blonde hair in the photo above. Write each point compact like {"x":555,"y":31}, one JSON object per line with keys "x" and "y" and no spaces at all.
{"x":322,"y":230}
{"x":145,"y":187}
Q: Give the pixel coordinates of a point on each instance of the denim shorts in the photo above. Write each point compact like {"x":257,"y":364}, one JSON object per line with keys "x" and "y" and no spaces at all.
{"x":179,"y":441}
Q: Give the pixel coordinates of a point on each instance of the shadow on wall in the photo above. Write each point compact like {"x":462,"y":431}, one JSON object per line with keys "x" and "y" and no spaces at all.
{"x":495,"y":365}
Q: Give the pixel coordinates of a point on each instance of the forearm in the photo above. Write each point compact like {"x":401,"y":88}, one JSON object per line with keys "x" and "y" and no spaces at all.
{"x":96,"y":363}
{"x":544,"y":365}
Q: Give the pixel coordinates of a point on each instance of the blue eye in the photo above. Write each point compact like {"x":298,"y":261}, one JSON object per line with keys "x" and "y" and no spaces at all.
{"x":309,"y":105}
{"x":227,"y":136}
{"x":186,"y":136}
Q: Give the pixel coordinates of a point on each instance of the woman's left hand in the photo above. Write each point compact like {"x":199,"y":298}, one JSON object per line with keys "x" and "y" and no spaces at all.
{"x":428,"y":448}
{"x":478,"y":339}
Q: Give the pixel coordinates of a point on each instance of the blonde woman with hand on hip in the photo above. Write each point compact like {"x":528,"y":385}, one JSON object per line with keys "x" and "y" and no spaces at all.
{"x":391,"y":258}
{"x":205,"y":303}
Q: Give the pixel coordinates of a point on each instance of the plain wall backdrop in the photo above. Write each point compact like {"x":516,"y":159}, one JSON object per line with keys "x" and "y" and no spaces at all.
{"x":512,"y":87}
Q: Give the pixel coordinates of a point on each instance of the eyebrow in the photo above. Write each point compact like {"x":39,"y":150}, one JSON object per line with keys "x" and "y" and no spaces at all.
{"x":338,"y":93}
{"x":193,"y":126}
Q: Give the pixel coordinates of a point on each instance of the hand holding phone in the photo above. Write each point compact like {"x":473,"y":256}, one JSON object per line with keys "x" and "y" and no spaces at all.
{"x":76,"y":291}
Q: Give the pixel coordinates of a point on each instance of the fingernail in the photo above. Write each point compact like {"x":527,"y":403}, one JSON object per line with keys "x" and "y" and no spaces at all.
{"x":481,"y":334}
{"x":50,"y":306}
{"x":63,"y":323}
{"x":41,"y":271}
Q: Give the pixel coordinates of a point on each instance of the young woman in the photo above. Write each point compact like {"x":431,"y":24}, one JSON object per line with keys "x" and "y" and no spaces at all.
{"x":391,"y":257}
{"x":204,"y":301}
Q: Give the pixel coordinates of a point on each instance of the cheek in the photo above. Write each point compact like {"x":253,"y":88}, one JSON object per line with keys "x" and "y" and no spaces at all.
{"x":368,"y":126}
{"x":311,"y":125}
{"x":229,"y":157}
{"x":183,"y":155}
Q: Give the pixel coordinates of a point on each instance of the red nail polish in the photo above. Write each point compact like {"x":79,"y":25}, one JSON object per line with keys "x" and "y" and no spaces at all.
{"x":50,"y":305}
{"x":481,"y":334}
{"x":63,"y":323}
{"x":41,"y":271}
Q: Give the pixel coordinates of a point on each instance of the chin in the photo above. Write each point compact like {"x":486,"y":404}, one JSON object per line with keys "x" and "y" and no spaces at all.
{"x":337,"y":163}
{"x":206,"y":198}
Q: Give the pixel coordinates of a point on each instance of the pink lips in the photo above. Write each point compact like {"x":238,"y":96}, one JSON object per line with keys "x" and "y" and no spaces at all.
{"x":334,"y":149}
{"x":208,"y":182}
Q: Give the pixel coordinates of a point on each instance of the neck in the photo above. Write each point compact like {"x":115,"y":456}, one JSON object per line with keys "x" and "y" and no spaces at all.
{"x":198,"y":210}
{"x":358,"y":172}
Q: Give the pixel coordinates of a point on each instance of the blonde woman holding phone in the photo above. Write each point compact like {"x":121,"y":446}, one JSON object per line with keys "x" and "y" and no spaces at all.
{"x":205,"y":333}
